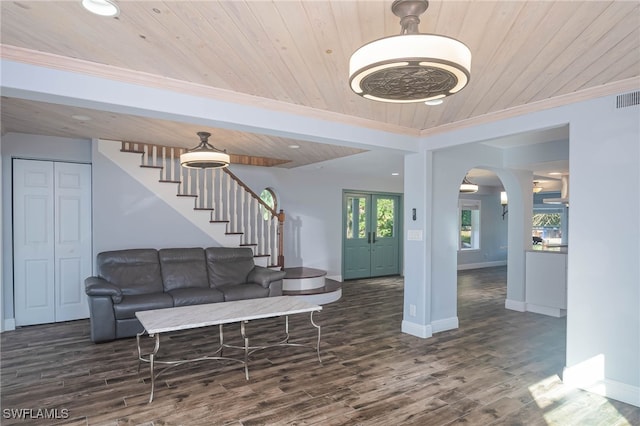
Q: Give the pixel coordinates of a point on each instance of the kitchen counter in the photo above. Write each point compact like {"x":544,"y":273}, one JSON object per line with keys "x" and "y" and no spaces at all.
{"x":550,"y":248}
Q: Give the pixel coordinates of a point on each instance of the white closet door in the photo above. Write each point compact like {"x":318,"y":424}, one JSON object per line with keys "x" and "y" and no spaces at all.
{"x":33,"y":237}
{"x":52,"y":240}
{"x":72,"y":239}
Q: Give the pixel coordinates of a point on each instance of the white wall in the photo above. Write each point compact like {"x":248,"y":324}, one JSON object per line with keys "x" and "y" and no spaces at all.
{"x":312,"y":201}
{"x":603,"y":319}
{"x":2,"y":326}
{"x":603,"y":311}
{"x":493,"y":233}
{"x":127,"y":215}
{"x":38,"y":147}
{"x":431,"y":263}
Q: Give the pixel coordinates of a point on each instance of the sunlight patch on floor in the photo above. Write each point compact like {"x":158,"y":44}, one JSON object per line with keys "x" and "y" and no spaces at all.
{"x":559,"y":402}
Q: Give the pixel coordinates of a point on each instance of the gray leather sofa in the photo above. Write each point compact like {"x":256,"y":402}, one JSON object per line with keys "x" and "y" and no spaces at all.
{"x":134,"y":280}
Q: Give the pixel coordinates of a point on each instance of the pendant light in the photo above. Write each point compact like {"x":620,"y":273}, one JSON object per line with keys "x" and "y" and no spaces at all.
{"x":204,"y":156}
{"x":467,"y":187}
{"x":410,"y":67}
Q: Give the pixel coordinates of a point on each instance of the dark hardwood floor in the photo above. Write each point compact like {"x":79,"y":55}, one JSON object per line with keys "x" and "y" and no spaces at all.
{"x":499,"y":367}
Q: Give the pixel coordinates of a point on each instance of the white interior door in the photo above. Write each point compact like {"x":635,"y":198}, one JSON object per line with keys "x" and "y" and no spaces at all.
{"x":52,"y":240}
{"x":33,"y":239}
{"x":72,"y":220}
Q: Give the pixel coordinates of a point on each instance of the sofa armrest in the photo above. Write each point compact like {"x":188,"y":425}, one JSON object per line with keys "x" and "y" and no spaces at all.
{"x":264,"y":276}
{"x":96,"y":286}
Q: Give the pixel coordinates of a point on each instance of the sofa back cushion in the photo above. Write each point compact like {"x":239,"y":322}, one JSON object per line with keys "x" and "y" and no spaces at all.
{"x":135,"y":271}
{"x":228,"y":265}
{"x":183,"y":268}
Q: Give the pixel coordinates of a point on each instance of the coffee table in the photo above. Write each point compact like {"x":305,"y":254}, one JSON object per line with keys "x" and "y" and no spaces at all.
{"x":158,"y":321}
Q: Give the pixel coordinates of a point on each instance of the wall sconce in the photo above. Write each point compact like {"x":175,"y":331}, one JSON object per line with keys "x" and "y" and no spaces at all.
{"x":503,"y":202}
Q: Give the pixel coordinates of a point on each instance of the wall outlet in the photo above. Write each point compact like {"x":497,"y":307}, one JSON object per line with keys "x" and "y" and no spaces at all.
{"x":412,"y":310}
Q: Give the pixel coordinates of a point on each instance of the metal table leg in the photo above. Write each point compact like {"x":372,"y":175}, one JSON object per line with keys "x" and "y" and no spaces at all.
{"x":246,"y":349}
{"x":318,"y":343}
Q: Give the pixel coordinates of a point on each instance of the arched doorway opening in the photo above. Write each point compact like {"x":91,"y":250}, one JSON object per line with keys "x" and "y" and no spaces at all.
{"x":482,"y":248}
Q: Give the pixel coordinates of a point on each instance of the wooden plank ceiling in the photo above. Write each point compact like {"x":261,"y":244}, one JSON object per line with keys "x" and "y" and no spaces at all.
{"x":524,"y":52}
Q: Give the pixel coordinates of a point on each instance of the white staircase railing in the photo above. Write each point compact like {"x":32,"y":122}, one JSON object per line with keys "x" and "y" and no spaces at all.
{"x":227,"y":197}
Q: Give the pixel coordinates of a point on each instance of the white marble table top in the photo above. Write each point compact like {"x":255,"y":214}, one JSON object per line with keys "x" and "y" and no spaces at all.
{"x":194,"y":316}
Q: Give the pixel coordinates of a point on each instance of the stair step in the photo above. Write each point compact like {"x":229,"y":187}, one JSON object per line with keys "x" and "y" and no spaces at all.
{"x":261,"y":255}
{"x":329,"y":287}
{"x":303,"y":272}
{"x":187,"y":195}
{"x":248,"y":245}
{"x":218,"y":221}
{"x":234,"y":233}
{"x":331,"y":292}
{"x":145,"y":166}
{"x":132,"y":151}
{"x":303,"y":279}
{"x":204,"y":208}
{"x":169,"y":181}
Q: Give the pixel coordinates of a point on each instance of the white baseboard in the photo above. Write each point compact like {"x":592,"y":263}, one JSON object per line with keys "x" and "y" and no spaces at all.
{"x":581,"y":376}
{"x":462,"y":267}
{"x":444,"y":324}
{"x":9,"y":324}
{"x":515,"y":305}
{"x":418,"y":330}
{"x":546,"y":310}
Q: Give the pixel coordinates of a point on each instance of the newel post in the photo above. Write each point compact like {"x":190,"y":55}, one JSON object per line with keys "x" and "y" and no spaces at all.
{"x":281,"y":217}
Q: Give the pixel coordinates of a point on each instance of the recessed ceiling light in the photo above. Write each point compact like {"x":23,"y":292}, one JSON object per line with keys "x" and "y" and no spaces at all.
{"x":81,"y":117}
{"x":395,"y":174}
{"x":555,"y":173}
{"x":101,"y":7}
{"x":294,"y":146}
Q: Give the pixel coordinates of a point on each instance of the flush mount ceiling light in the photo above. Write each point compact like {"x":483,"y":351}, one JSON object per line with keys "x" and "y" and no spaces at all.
{"x":204,"y":156}
{"x":467,"y":187}
{"x":101,"y":7}
{"x":536,"y":188}
{"x":410,"y":67}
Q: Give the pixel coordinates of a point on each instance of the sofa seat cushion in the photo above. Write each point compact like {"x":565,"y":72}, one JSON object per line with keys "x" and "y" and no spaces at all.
{"x":243,"y":291}
{"x":141,"y":302}
{"x":195,"y":296}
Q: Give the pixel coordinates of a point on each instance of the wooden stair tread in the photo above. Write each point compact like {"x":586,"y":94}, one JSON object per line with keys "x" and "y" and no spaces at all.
{"x":303,"y":272}
{"x":145,"y":166}
{"x":329,"y":287}
{"x":132,"y":151}
{"x":169,"y":181}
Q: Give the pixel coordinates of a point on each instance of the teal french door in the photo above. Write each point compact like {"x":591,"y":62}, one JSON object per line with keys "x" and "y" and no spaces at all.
{"x":370,"y":237}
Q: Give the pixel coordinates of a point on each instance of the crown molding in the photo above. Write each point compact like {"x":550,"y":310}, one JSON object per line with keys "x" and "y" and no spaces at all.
{"x":608,"y":89}
{"x":80,"y":66}
{"x":53,"y":61}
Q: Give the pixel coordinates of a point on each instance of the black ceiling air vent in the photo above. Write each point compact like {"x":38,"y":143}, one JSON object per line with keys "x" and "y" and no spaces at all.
{"x":628,"y":99}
